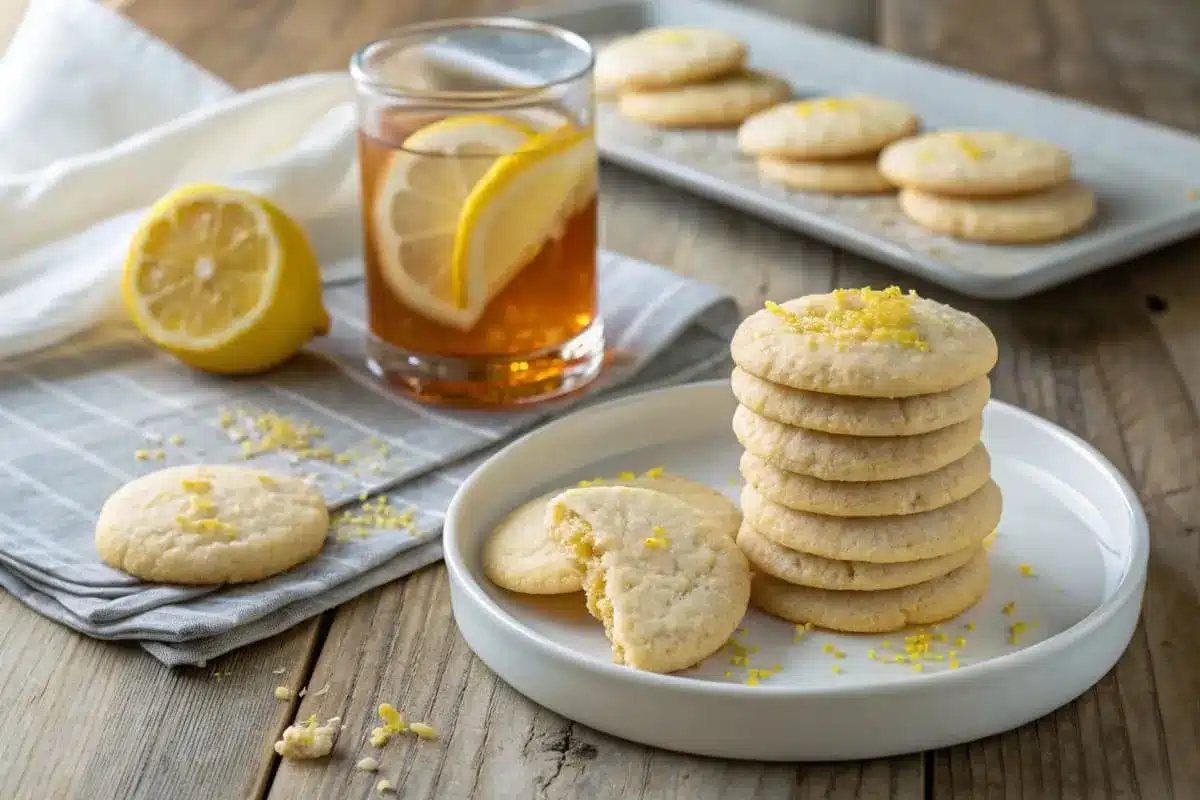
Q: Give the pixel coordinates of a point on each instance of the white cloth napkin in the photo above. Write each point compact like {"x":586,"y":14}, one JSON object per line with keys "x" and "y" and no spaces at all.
{"x":98,"y":120}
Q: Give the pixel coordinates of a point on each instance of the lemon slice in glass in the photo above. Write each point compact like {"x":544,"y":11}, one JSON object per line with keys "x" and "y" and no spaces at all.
{"x":520,"y":204}
{"x":416,"y":209}
{"x":223,"y":280}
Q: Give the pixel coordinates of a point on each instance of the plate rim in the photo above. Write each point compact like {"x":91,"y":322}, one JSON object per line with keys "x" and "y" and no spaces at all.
{"x":1128,"y":589}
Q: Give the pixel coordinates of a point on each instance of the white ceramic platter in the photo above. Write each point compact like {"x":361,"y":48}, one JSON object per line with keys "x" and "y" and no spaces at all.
{"x":1144,"y":174}
{"x":1068,"y":514}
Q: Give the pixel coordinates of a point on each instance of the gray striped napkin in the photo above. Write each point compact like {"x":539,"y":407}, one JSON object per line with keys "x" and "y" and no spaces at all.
{"x":79,"y":420}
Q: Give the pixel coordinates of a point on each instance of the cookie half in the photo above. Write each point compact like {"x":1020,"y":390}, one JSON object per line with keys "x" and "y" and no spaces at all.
{"x":865,"y":343}
{"x":944,"y":486}
{"x":975,"y":163}
{"x":805,"y":569}
{"x":669,"y":585}
{"x":520,"y":555}
{"x":200,"y":525}
{"x":660,"y":57}
{"x":843,"y":176}
{"x":876,"y":612}
{"x":723,"y":101}
{"x":832,"y":457}
{"x":860,"y":416}
{"x":1044,"y":216}
{"x":826,"y":128}
{"x":879,"y":540}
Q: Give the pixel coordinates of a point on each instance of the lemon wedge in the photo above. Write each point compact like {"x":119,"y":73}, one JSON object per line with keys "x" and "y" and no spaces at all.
{"x":468,"y":202}
{"x":415,"y":211}
{"x":223,"y":280}
{"x":520,"y":204}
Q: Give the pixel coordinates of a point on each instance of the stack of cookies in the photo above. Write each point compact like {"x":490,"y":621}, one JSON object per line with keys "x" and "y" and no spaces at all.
{"x":868,"y":491}
{"x":988,"y":186}
{"x":684,"y":77}
{"x":828,"y":145}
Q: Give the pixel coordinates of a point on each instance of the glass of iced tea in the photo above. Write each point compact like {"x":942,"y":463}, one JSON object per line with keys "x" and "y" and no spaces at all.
{"x":478,"y":170}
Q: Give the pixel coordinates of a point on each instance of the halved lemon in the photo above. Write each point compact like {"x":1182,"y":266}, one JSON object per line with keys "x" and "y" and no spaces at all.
{"x":223,"y":280}
{"x":468,"y":203}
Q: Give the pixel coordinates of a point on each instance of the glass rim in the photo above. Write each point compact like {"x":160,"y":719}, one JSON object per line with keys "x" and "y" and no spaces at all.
{"x":362,"y":77}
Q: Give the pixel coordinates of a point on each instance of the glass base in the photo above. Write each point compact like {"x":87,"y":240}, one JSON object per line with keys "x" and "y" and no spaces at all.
{"x":489,"y":382}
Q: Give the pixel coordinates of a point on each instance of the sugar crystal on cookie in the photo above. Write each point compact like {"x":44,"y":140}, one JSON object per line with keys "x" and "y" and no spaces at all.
{"x":859,"y":315}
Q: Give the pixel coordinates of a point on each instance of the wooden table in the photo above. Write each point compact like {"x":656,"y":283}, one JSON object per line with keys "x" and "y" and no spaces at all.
{"x":1115,"y":358}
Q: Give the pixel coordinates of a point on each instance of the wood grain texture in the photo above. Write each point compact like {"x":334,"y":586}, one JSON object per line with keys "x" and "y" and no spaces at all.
{"x":83,"y":718}
{"x":112,"y":723}
{"x":494,"y":742}
{"x":1094,"y":358}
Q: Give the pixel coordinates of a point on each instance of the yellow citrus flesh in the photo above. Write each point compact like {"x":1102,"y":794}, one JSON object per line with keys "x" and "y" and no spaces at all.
{"x":415,"y":211}
{"x":223,"y":280}
{"x":469,"y":202}
{"x":522,"y":202}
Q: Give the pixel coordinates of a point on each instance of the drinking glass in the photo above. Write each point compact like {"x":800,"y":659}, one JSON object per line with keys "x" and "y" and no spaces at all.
{"x":478,"y":177}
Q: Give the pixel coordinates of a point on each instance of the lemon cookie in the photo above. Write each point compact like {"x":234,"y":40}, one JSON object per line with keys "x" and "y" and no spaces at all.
{"x":828,"y":127}
{"x":876,"y":612}
{"x":662,"y":57}
{"x":210,"y":525}
{"x":913,"y":495}
{"x":722,"y":101}
{"x":1043,"y":216}
{"x":879,"y":540}
{"x":864,"y":343}
{"x":833,"y":457}
{"x":804,"y":569}
{"x":860,"y":416}
{"x":975,"y":163}
{"x":843,"y":176}
{"x":668,"y":583}
{"x":520,"y":555}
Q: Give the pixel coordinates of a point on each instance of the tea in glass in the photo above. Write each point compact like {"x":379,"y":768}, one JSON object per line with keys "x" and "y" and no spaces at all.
{"x":478,"y":175}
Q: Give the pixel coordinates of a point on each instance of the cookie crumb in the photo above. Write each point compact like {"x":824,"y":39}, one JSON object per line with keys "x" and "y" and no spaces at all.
{"x":283,"y":693}
{"x":367,"y":764}
{"x":393,"y":723}
{"x":310,"y":740}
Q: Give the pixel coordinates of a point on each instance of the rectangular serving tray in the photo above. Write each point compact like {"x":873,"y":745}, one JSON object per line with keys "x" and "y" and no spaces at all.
{"x":1138,"y":169}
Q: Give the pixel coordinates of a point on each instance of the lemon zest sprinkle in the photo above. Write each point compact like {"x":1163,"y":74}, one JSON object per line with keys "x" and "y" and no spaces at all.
{"x":858,"y":316}
{"x":423,"y":730}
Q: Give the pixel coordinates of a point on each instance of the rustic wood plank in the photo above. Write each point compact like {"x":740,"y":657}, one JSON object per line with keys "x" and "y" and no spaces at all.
{"x":856,"y":18}
{"x":400,"y":644}
{"x":91,"y":719}
{"x":1089,"y":357}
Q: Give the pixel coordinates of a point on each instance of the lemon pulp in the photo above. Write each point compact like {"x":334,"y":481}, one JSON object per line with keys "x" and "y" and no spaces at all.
{"x":223,"y":280}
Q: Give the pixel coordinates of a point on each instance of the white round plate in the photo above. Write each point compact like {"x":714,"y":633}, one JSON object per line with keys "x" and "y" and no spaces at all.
{"x":1069,"y":517}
